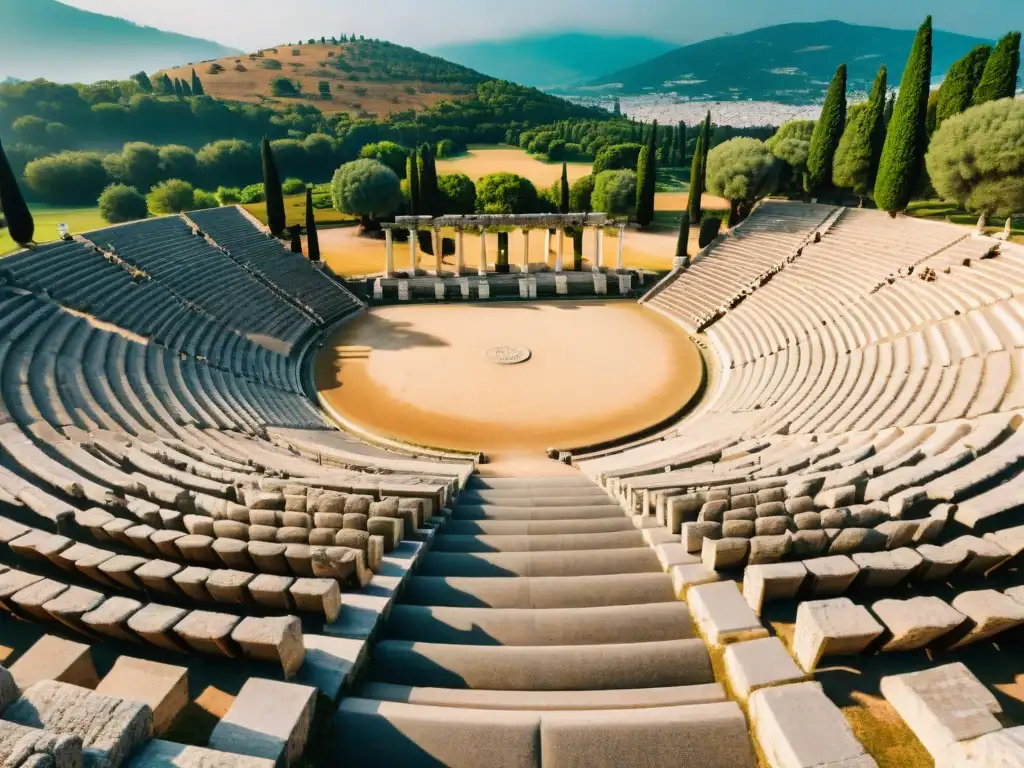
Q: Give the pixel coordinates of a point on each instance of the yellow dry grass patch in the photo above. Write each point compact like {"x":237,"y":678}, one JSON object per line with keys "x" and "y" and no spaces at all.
{"x":253,"y":85}
{"x":482,"y":160}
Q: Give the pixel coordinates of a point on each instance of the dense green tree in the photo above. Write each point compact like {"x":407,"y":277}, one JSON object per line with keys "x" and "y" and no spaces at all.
{"x":616,"y":108}
{"x":253,"y":193}
{"x":197,"y":85}
{"x":563,"y":204}
{"x":709,"y":229}
{"x":387,"y":152}
{"x":171,"y":196}
{"x":430,"y":195}
{"x":413,"y":177}
{"x":856,"y":161}
{"x":458,"y":194}
{"x":890,"y":107}
{"x":506,"y":193}
{"x":617,"y":157}
{"x":312,"y":239}
{"x":272,"y":190}
{"x":368,"y":189}
{"x":179,"y":92}
{"x":202,"y":200}
{"x":792,"y":144}
{"x":615,"y":192}
{"x":681,"y":144}
{"x":446,"y":148}
{"x":999,"y":80}
{"x":229,"y":195}
{"x":682,"y":242}
{"x":957,"y":90}
{"x":178,"y":162}
{"x":742,"y":171}
{"x":827,"y":133}
{"x":931,"y":119}
{"x":977,"y":158}
{"x":70,"y":178}
{"x":145,"y":84}
{"x":293,"y":186}
{"x":696,"y":175}
{"x":581,"y":193}
{"x":138,"y":165}
{"x":15,"y":212}
{"x":230,"y":161}
{"x":646,"y":175}
{"x":119,"y":203}
{"x":295,"y":235}
{"x":906,"y":140}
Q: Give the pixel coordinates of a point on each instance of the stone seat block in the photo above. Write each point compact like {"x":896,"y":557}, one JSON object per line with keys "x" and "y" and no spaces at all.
{"x":272,"y":591}
{"x":162,"y":687}
{"x":833,"y":627}
{"x":30,"y":600}
{"x":916,"y":622}
{"x":12,"y":582}
{"x":693,"y":534}
{"x":938,"y":563}
{"x":268,"y":719}
{"x":198,"y":549}
{"x":831,"y":575}
{"x":722,"y":614}
{"x":27,"y":747}
{"x":120,"y":569}
{"x":228,"y":586}
{"x":884,"y":570}
{"x":234,"y":553}
{"x":155,"y":623}
{"x":167,"y":754}
{"x":988,"y":613}
{"x":192,"y":581}
{"x":772,"y":581}
{"x":209,"y":632}
{"x":720,"y":554}
{"x":54,"y":658}
{"x":979,"y":555}
{"x":686,"y":576}
{"x":317,"y":596}
{"x":269,"y":557}
{"x":675,"y":553}
{"x":798,"y":726}
{"x":158,"y":576}
{"x":69,"y":606}
{"x":276,"y":639}
{"x":759,"y":663}
{"x":111,"y":618}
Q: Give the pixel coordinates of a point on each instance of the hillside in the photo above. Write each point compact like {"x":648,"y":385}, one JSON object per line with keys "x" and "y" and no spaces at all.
{"x":47,"y":39}
{"x":365,"y":77}
{"x":554,"y":61}
{"x":789,"y":63}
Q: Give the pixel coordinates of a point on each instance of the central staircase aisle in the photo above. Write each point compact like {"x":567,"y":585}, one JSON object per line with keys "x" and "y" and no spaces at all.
{"x":540,"y":629}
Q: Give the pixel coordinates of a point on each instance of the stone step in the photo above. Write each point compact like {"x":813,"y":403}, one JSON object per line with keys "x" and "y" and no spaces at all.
{"x":550,"y":497}
{"x":538,"y":542}
{"x":539,"y":591}
{"x":476,"y":482}
{"x":537,"y":527}
{"x":585,"y":562}
{"x":529,"y":626}
{"x":548,"y":667}
{"x":628,"y":698}
{"x":504,"y":512}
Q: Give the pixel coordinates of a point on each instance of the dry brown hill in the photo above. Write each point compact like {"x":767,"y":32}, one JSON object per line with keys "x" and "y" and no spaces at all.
{"x":365,"y":77}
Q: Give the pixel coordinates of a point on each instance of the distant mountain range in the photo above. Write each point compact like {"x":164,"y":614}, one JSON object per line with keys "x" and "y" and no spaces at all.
{"x":45,"y":38}
{"x":789,"y":63}
{"x":555,"y":61}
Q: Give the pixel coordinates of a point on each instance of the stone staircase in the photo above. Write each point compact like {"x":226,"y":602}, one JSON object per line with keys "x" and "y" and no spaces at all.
{"x":540,"y":629}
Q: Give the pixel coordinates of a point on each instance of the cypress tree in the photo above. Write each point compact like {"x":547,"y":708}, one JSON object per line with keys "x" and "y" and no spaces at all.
{"x":827,"y":133}
{"x":902,"y":162}
{"x":856,"y":160}
{"x":705,"y":149}
{"x":197,"y":85}
{"x":272,"y":190}
{"x":617,"y":108}
{"x":412,"y":172}
{"x":12,"y":204}
{"x":957,"y":91}
{"x":186,"y":89}
{"x":681,"y":144}
{"x":932,"y":114}
{"x":646,"y":179}
{"x":696,"y":174}
{"x":430,"y":194}
{"x":999,"y":80}
{"x":563,"y":204}
{"x":682,"y":243}
{"x":296,"y":234}
{"x":669,"y":152}
{"x":178,"y":91}
{"x":312,"y":239}
{"x":165,"y":85}
{"x":890,"y":106}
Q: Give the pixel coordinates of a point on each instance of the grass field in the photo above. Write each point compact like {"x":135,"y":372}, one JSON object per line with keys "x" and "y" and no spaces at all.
{"x":48,"y":217}
{"x":295,"y":212}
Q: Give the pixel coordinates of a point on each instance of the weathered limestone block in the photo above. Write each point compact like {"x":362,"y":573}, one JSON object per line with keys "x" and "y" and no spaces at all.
{"x":139,"y":538}
{"x":836,"y":627}
{"x":272,"y":591}
{"x":352,"y":538}
{"x":227,"y":586}
{"x":208,"y":632}
{"x":390,"y":529}
{"x":355,"y":521}
{"x":759,"y":663}
{"x":230,"y":529}
{"x":360,"y":504}
{"x":833,"y":498}
{"x":806,"y":544}
{"x":774,"y":525}
{"x":317,"y":596}
{"x":198,"y":549}
{"x":234,"y":553}
{"x":943,"y":705}
{"x":338,"y":563}
{"x":167,"y":754}
{"x":30,"y":600}
{"x":883,"y":570}
{"x":111,"y":618}
{"x":1003,"y":748}
{"x":375,"y":553}
{"x":322,"y":537}
{"x":300,"y":558}
{"x":900,"y":533}
{"x":28,"y":747}
{"x":296,"y":520}
{"x":112,"y":728}
{"x":258,"y":499}
{"x":866,"y":516}
{"x":693,"y":534}
{"x":192,"y":581}
{"x":328,"y":502}
{"x":852,"y":540}
{"x":742,"y":513}
{"x":69,"y":607}
{"x":164,"y":541}
{"x":979,"y":555}
{"x":333,"y":520}
{"x":916,"y":622}
{"x":686,"y":576}
{"x":833,"y":518}
{"x":769,"y":549}
{"x":988,"y":613}
{"x":54,"y":658}
{"x":717,"y":554}
{"x":268,"y":719}
{"x":292,"y":535}
{"x":937,"y":563}
{"x":741,"y":500}
{"x":162,"y":687}
{"x":294,"y":503}
{"x":722,"y":614}
{"x":680,"y":510}
{"x":198,"y":524}
{"x":269,"y":557}
{"x":807,"y":521}
{"x":797,"y":504}
{"x":8,"y":688}
{"x":155,"y":624}
{"x":277,"y":639}
{"x":771,"y":495}
{"x":674,"y":553}
{"x":738,"y":529}
{"x":798,"y":726}
{"x":158,"y":576}
{"x":712,"y":512}
{"x":775,"y":581}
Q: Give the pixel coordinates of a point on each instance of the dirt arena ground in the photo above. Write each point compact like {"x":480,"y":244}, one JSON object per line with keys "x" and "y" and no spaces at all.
{"x":418,"y":374}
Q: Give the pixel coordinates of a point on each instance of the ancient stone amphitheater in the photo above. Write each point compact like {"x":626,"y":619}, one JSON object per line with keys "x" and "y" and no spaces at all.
{"x":198,"y":569}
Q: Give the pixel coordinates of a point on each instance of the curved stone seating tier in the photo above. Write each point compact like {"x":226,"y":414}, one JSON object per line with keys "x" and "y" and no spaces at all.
{"x":167,"y":250}
{"x":308,"y":286}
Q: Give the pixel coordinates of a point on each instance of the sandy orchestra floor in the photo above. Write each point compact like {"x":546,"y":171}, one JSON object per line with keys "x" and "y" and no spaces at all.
{"x":419,"y":374}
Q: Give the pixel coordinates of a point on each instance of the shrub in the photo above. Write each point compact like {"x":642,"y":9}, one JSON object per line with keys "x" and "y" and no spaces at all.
{"x":119,"y":203}
{"x":270,"y":64}
{"x":204,"y":200}
{"x":709,"y":229}
{"x":556,"y":150}
{"x":284,"y":87}
{"x":293,"y":187}
{"x":230,"y":161}
{"x":446,"y":148}
{"x":172,"y":196}
{"x":366,"y":188}
{"x":458,"y":193}
{"x":215,"y":69}
{"x":581,"y":194}
{"x":614,"y":192}
{"x":240,"y":67}
{"x":229,"y":195}
{"x":617,"y":157}
{"x":387,"y":152}
{"x":253,"y":193}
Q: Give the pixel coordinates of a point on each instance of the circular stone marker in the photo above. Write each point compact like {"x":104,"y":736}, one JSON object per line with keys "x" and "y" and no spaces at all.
{"x":507,"y":354}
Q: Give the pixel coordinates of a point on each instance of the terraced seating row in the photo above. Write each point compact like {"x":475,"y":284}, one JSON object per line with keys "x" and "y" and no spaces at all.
{"x":315,"y":291}
{"x":168,"y":251}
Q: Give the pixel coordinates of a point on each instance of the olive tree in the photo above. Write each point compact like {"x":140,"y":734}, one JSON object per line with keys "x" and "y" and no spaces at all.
{"x":792,"y":145}
{"x":977,"y":158}
{"x":458,"y":193}
{"x":742,"y":171}
{"x":506,"y":193}
{"x":367,"y":189}
{"x":614,"y":193}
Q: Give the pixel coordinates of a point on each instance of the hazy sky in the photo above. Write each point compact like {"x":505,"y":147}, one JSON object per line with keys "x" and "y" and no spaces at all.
{"x":249,"y":24}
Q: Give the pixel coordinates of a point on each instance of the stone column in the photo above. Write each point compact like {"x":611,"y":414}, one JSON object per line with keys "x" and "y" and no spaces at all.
{"x":389,"y":258}
{"x":412,"y":251}
{"x":547,"y":244}
{"x":483,"y":252}
{"x":459,"y":253}
{"x":598,"y":242}
{"x":437,"y":251}
{"x":526,"y":251}
{"x":622,"y":237}
{"x":558,"y":252}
